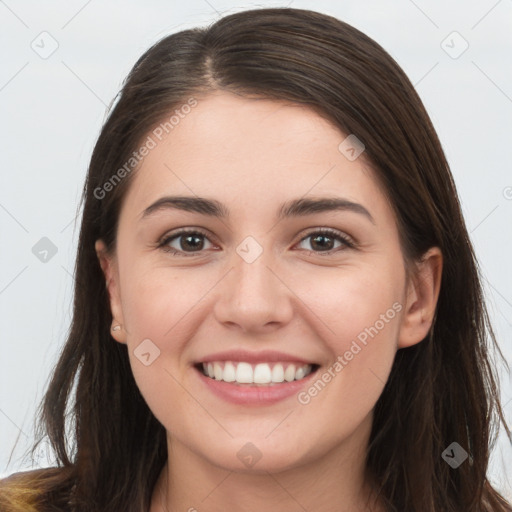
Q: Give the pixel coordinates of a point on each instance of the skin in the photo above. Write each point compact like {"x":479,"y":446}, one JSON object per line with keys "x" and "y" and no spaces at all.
{"x":252,"y":155}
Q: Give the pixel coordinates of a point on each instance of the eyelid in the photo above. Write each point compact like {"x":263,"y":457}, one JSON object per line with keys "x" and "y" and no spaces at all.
{"x":346,"y":240}
{"x":168,"y":237}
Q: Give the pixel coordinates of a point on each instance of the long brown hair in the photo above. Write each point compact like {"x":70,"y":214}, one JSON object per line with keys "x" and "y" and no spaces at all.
{"x":109,"y":447}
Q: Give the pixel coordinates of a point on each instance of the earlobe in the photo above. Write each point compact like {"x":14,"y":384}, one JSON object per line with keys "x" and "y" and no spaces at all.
{"x":421,"y":300}
{"x":109,"y":268}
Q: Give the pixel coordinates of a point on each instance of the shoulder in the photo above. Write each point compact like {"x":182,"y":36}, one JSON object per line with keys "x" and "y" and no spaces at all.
{"x":18,"y":492}
{"x":36,"y":490}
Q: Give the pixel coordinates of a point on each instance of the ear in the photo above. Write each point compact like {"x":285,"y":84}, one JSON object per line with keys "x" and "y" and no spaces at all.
{"x":421,"y":300}
{"x":110,"y":270}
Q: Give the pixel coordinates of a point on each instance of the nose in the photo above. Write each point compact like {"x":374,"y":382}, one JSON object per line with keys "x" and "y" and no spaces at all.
{"x":254,"y":297}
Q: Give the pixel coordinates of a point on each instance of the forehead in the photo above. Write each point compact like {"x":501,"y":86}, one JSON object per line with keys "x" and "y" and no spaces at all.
{"x":250,"y":154}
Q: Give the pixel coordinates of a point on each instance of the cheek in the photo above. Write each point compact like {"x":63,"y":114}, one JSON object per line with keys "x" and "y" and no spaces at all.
{"x":356,"y":304}
{"x":155,"y":307}
{"x":360,"y":321}
{"x":156,"y":302}
{"x":161,"y":305}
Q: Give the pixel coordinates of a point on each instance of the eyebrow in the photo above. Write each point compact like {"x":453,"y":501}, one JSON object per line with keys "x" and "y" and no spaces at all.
{"x":294,"y":208}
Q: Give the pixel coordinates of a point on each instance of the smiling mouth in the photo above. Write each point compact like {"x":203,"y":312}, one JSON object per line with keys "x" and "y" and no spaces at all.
{"x":260,"y":374}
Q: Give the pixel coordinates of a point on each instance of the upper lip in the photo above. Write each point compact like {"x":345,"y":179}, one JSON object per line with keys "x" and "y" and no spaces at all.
{"x":263,"y":356}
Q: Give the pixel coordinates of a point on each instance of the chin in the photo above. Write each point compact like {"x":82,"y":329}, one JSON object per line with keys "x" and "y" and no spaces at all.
{"x":254,"y":457}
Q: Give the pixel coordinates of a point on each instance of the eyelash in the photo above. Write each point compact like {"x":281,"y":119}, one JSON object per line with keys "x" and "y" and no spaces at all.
{"x":348,"y":243}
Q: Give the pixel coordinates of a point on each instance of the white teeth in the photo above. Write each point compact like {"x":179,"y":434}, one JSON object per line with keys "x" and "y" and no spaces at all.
{"x":244,"y":373}
{"x":229,"y":372}
{"x":289,"y":374}
{"x":299,"y":374}
{"x":217,"y":371}
{"x":260,"y":374}
{"x":278,"y":373}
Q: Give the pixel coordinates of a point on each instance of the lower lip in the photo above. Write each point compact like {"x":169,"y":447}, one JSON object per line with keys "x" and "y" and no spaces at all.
{"x":244,"y":394}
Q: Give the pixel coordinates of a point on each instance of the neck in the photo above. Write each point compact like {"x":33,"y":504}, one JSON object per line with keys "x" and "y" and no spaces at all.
{"x":334,"y":483}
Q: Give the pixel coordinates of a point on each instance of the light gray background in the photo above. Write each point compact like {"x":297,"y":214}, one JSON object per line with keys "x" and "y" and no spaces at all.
{"x":52,"y":109}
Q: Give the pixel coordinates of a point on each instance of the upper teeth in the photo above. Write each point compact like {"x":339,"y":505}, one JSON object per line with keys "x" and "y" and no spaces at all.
{"x":261,"y":373}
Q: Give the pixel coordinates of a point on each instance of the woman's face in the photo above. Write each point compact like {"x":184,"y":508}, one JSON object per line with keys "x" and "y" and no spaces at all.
{"x":258,"y":285}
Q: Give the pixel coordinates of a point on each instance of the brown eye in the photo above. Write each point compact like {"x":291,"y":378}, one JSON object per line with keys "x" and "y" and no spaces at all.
{"x":325,"y":241}
{"x":185,"y":241}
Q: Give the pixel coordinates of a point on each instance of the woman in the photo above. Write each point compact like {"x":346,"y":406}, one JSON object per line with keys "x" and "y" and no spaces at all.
{"x":277,"y":305}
